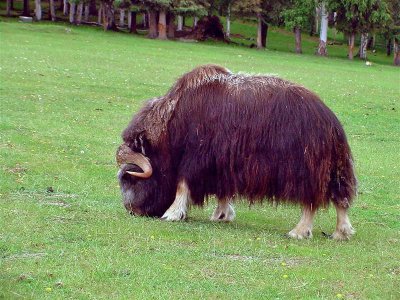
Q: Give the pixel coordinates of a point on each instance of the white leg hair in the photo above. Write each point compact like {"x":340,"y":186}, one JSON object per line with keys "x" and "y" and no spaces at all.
{"x":303,"y":229}
{"x":344,"y":230}
{"x":178,"y":210}
{"x":224,"y":211}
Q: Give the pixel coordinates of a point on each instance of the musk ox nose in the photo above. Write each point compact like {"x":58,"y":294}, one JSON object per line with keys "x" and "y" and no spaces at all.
{"x":133,"y":210}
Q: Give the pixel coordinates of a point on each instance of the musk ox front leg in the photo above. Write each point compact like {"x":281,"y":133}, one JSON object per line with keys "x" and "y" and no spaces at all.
{"x":224,"y":211}
{"x":178,"y":210}
{"x":344,"y":230}
{"x":303,"y":229}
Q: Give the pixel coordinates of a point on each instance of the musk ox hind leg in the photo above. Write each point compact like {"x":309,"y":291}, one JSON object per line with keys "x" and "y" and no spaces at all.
{"x":344,"y":230}
{"x":224,"y":211}
{"x":178,"y":210}
{"x":303,"y":229}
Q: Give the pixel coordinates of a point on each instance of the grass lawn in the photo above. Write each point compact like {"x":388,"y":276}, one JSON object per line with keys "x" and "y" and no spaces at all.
{"x":66,"y":93}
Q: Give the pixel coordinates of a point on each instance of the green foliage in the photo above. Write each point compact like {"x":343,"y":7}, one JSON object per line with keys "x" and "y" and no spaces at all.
{"x":190,"y":7}
{"x":269,"y":11}
{"x":360,"y":16}
{"x":299,"y":13}
{"x":392,"y":29}
{"x":122,"y":3}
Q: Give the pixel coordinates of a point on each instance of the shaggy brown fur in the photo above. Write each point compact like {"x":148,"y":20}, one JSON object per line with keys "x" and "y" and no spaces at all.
{"x":228,"y":134}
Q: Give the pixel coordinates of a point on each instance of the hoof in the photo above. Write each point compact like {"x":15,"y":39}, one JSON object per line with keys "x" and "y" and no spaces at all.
{"x":223,"y":215}
{"x":174,"y":216}
{"x":343,"y":233}
{"x":300,"y":234}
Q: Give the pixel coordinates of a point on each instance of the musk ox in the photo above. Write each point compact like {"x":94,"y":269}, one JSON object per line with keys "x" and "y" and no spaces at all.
{"x":233,"y":135}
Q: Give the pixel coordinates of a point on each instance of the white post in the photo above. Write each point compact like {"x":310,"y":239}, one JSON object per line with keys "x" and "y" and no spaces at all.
{"x":195,"y":20}
{"x":180,"y":23}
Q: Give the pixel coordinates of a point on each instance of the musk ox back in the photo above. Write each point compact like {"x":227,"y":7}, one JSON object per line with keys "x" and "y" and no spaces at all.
{"x":232,"y":135}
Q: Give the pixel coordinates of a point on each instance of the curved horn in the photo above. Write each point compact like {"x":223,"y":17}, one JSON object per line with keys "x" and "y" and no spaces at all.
{"x":125,"y":155}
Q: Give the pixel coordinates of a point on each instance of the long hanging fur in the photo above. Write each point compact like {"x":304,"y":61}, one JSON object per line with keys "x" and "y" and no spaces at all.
{"x":259,"y":137}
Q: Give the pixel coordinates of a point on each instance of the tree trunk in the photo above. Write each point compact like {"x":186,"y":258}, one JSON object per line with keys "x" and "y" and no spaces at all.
{"x":79,"y":13}
{"x":195,"y":20}
{"x":100,"y":14}
{"x":38,"y":10}
{"x":363,"y":46}
{"x":121,"y":17}
{"x":389,"y":47}
{"x":72,"y":7}
{"x":145,"y":20}
{"x":180,"y":23}
{"x":92,"y":8}
{"x":65,"y":8}
{"x":171,"y":25}
{"x":316,"y":19}
{"x":27,"y":11}
{"x":297,"y":34}
{"x":351,"y":45}
{"x":11,"y":4}
{"x":396,"y":52}
{"x":129,"y":20}
{"x":228,"y":22}
{"x":87,"y":12}
{"x":8,"y":8}
{"x":152,"y":24}
{"x":323,"y":36}
{"x":132,"y":27}
{"x":108,"y":17}
{"x":52,"y":9}
{"x":162,"y":25}
{"x":261,"y":33}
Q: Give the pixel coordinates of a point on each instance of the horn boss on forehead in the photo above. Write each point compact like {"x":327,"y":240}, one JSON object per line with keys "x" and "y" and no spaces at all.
{"x":126,"y":155}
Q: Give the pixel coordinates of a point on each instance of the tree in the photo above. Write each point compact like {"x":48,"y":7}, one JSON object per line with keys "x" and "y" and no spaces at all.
{"x":108,"y":16}
{"x":8,"y":7}
{"x":359,"y":16}
{"x":79,"y":12}
{"x":26,"y":12}
{"x":297,"y":17}
{"x":65,"y":8}
{"x":391,"y":31}
{"x":265,"y":11}
{"x":72,"y":8}
{"x":225,"y":8}
{"x":52,"y":11}
{"x":323,"y":35}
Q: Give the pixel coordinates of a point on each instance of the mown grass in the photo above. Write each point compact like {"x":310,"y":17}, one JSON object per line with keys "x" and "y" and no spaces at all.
{"x":66,"y":93}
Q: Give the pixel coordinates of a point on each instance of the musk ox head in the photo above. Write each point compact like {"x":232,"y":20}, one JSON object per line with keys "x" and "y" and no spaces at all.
{"x":148,"y":164}
{"x":140,"y":183}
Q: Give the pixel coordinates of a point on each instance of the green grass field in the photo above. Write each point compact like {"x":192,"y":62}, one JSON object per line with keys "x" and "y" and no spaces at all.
{"x":66,"y":93}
